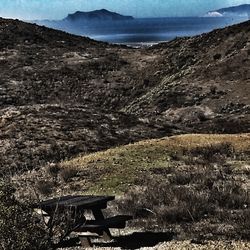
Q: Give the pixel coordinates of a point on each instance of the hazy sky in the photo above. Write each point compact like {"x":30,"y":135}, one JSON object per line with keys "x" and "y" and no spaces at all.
{"x":57,"y":9}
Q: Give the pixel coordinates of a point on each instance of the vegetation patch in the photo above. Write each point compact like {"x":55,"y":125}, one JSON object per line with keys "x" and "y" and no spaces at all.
{"x":197,"y":195}
{"x":122,"y":167}
{"x":195,"y":185}
{"x":19,"y":228}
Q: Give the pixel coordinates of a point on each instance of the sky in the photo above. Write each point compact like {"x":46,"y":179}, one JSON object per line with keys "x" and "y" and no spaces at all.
{"x":58,"y":9}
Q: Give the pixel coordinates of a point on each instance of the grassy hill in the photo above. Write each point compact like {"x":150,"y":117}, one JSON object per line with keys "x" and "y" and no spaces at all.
{"x":115,"y":170}
{"x":195,"y":185}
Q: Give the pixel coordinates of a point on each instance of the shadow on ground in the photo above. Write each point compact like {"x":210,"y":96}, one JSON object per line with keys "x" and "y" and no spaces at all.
{"x":138,"y":240}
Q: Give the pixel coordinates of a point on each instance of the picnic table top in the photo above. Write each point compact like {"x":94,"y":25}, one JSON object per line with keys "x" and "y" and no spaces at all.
{"x":76,"y":202}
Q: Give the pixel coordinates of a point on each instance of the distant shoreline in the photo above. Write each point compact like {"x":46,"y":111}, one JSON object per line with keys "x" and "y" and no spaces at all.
{"x":140,"y":44}
{"x":147,"y":32}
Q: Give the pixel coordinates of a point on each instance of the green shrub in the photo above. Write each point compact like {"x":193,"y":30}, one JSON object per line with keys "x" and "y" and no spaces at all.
{"x":18,"y":226}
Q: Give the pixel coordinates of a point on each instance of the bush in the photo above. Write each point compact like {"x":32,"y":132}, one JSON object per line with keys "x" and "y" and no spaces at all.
{"x":193,"y":195}
{"x":45,"y":187}
{"x":169,"y":203}
{"x":206,"y":155}
{"x":54,"y":170}
{"x":18,"y":227}
{"x":68,"y":173}
{"x":213,"y":153}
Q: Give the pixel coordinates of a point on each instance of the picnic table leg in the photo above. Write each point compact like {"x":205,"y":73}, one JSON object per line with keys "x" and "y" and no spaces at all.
{"x":85,"y":242}
{"x":99,"y":216}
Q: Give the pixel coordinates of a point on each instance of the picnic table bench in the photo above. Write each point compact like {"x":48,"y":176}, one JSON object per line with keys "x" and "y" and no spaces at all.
{"x":76,"y":206}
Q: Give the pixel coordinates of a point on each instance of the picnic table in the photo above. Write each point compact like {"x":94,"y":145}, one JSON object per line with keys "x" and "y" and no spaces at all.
{"x":75,"y":207}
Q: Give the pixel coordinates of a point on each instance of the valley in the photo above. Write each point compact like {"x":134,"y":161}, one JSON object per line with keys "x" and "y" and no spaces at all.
{"x":79,"y":116}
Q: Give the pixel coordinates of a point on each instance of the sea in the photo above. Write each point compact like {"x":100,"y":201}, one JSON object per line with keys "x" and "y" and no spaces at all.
{"x":149,"y":31}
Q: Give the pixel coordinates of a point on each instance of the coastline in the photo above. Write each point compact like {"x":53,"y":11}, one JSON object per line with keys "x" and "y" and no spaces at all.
{"x":138,"y":45}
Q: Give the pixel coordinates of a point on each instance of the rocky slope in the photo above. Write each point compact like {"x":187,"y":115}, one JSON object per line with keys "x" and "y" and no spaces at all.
{"x":53,"y":89}
{"x":61,"y":95}
{"x":33,"y":135}
{"x":205,"y":82}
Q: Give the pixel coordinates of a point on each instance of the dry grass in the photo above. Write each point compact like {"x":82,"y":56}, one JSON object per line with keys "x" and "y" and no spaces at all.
{"x":195,"y":185}
{"x":120,"y":167}
{"x":200,"y":201}
{"x":210,"y":245}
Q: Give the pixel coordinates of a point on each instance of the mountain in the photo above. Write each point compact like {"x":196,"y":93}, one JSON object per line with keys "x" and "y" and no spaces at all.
{"x":62,"y":95}
{"x":97,"y":15}
{"x":73,"y":23}
{"x":240,"y":10}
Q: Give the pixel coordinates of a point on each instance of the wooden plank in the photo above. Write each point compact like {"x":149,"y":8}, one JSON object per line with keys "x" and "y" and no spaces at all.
{"x":118,"y":221}
{"x":73,"y":200}
{"x":62,"y":201}
{"x":72,"y":242}
{"x":54,"y":201}
{"x":88,"y":234}
{"x":100,"y":217}
{"x":91,"y":202}
{"x":76,"y":200}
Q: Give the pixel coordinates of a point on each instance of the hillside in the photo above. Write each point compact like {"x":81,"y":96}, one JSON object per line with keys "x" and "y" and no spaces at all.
{"x":79,"y":116}
{"x":196,"y":186}
{"x":119,"y":168}
{"x":243,"y":9}
{"x":50,"y":104}
{"x":58,"y":89}
{"x":204,"y":82}
{"x":234,"y":11}
{"x":34,"y":135}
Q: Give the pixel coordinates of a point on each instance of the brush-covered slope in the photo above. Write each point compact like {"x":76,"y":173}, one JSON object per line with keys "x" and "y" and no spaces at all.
{"x":40,"y":65}
{"x":31,"y":136}
{"x":195,"y":185}
{"x":205,"y":81}
{"x":59,"y":91}
{"x":53,"y":95}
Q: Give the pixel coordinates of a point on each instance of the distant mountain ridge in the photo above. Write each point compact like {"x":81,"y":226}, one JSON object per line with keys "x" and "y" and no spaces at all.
{"x":102,"y":14}
{"x":243,"y":9}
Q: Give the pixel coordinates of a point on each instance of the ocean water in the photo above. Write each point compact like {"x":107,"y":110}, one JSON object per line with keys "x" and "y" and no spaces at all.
{"x":150,"y":30}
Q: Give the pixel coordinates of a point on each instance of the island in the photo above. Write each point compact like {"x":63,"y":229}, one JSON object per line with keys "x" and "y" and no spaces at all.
{"x":96,"y":15}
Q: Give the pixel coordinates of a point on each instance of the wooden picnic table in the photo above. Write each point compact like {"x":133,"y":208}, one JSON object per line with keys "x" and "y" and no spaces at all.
{"x":76,"y":207}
